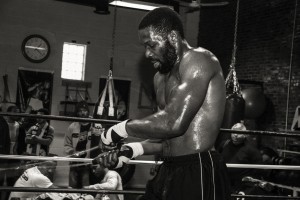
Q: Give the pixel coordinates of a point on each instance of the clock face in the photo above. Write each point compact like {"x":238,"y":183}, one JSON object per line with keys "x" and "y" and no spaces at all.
{"x":35,"y":48}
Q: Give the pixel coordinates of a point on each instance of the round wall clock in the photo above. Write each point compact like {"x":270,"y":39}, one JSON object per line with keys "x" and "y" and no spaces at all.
{"x":35,"y":48}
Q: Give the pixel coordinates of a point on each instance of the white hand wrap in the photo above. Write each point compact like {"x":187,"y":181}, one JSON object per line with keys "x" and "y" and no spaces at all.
{"x":129,"y":151}
{"x":115,"y":133}
{"x":137,"y":149}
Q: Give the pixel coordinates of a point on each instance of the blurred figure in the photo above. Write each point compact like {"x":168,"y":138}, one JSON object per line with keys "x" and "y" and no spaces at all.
{"x":108,"y":180}
{"x":37,"y":176}
{"x":81,"y":136}
{"x":15,"y":137}
{"x":268,"y":154}
{"x":4,"y":147}
{"x":14,"y":126}
{"x":286,"y":177}
{"x":40,"y":136}
{"x":239,"y":150}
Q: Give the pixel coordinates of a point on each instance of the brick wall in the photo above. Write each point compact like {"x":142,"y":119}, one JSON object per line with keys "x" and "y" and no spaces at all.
{"x":264,"y":40}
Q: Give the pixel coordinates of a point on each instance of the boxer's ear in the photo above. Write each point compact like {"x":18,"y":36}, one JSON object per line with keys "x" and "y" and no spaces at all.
{"x":173,"y":37}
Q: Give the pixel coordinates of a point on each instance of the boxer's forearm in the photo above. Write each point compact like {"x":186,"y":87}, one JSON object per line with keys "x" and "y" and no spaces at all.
{"x":153,"y":127}
{"x":152,"y":147}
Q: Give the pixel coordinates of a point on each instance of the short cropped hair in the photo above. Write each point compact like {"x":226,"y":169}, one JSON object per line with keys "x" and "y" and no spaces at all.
{"x":163,"y":20}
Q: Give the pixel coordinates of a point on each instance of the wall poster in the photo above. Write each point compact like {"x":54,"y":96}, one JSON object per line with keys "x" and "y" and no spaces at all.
{"x":34,"y":89}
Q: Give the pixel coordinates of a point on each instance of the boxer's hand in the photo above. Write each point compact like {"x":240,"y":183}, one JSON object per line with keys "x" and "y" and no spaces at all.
{"x":115,"y":134}
{"x":123,"y":156}
{"x":117,"y":158}
{"x":107,"y":159}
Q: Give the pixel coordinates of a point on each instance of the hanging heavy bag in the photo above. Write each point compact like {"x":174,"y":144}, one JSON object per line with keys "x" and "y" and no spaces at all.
{"x":234,"y":110}
{"x":234,"y":113}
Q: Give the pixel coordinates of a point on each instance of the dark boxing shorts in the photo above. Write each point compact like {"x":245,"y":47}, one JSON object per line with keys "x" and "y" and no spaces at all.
{"x":201,"y":176}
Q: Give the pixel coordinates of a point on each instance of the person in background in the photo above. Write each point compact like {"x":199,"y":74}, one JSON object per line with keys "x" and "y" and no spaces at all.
{"x":38,"y":176}
{"x":14,"y":130}
{"x":238,"y":150}
{"x":81,"y":136}
{"x":17,"y":132}
{"x":14,"y":126}
{"x":108,"y":180}
{"x":4,"y":149}
{"x":40,"y":136}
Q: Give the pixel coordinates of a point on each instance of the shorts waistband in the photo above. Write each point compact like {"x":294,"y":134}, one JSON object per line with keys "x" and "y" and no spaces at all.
{"x":187,"y":158}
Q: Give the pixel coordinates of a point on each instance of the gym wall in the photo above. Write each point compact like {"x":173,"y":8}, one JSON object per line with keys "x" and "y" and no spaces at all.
{"x":61,"y":22}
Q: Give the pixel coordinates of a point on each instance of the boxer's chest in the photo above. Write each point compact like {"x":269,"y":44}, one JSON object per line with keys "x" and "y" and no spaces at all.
{"x":165,"y":87}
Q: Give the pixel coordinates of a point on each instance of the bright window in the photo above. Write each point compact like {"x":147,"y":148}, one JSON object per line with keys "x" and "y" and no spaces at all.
{"x":73,"y":61}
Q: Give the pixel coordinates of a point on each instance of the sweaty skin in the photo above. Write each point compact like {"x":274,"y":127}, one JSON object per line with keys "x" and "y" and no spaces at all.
{"x":191,"y":99}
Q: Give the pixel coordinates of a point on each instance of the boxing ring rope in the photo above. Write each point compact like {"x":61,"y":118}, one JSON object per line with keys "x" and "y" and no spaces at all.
{"x":287,"y":151}
{"x":89,"y":191}
{"x":64,"y":118}
{"x":68,"y":190}
{"x":262,"y":197}
{"x":144,"y":162}
{"x":74,"y":119}
{"x":267,"y":133}
{"x":59,"y":118}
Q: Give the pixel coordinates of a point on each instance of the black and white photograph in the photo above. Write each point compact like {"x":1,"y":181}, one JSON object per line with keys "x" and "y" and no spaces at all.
{"x":149,"y":99}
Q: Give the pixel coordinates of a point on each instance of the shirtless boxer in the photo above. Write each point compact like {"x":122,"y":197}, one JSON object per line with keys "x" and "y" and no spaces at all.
{"x":190,"y":91}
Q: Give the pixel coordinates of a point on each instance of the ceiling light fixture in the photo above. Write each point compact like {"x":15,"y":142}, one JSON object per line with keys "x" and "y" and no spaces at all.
{"x":137,"y":4}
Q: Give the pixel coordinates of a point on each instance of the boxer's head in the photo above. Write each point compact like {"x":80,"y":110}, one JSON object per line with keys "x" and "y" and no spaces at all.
{"x":159,"y":32}
{"x":163,"y":21}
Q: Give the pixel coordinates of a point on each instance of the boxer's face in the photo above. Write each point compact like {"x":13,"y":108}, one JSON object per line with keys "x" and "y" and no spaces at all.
{"x":159,"y":50}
